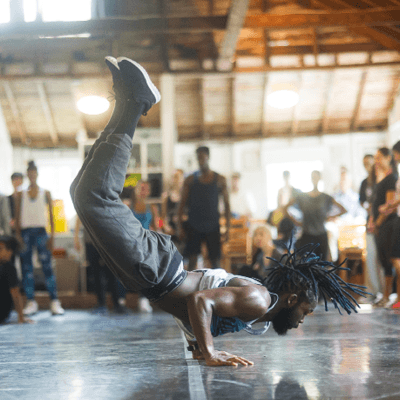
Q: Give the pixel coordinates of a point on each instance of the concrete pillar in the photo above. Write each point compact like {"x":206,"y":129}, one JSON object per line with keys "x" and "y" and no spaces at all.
{"x":6,"y":157}
{"x":168,"y":124}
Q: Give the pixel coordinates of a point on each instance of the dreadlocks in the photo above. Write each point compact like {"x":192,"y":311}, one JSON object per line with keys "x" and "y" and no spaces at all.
{"x":303,"y":272}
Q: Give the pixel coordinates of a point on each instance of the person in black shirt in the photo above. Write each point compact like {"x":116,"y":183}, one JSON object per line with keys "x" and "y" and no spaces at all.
{"x":368,"y":184}
{"x":16,"y":180}
{"x":382,"y":223}
{"x":9,"y":289}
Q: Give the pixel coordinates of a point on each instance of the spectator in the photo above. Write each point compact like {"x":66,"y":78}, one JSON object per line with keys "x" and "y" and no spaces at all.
{"x":103,"y":277}
{"x":9,"y":286}
{"x":169,"y":207}
{"x":148,"y":217}
{"x":316,"y":208}
{"x":381,"y":220}
{"x":238,"y":201}
{"x":5,"y":216}
{"x":388,"y":209}
{"x":366,"y":197}
{"x":287,"y":193}
{"x":201,"y":192}
{"x":16,"y":180}
{"x":32,"y":207}
{"x":263,"y":247}
{"x":348,"y":198}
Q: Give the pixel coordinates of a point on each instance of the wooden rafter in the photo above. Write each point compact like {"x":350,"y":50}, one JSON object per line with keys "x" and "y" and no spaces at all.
{"x":237,"y":14}
{"x":318,"y":67}
{"x":15,"y":111}
{"x":320,"y":19}
{"x":375,"y":33}
{"x":322,"y":48}
{"x":47,"y":112}
{"x":357,"y":107}
{"x":98,"y":27}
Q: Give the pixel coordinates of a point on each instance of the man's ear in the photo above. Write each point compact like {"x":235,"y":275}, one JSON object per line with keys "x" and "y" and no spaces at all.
{"x":292,"y":300}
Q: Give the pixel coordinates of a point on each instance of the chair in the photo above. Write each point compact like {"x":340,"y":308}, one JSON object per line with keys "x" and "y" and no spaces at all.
{"x":352,"y":245}
{"x":238,"y":248}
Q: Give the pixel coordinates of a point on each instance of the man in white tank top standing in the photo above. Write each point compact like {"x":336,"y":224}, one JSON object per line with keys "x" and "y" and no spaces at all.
{"x":32,"y":207}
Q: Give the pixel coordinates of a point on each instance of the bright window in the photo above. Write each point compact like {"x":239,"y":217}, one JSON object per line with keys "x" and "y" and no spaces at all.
{"x":57,"y":176}
{"x":4,"y":11}
{"x":300,"y":178}
{"x":58,"y":10}
{"x":61,"y":10}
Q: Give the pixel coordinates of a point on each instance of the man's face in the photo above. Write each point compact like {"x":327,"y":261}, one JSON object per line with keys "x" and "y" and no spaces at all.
{"x":368,"y":163}
{"x":261,"y":238}
{"x":202,"y":159}
{"x":396,"y":156}
{"x":16,"y":182}
{"x":290,"y":318}
{"x":5,"y":254}
{"x":32,"y":176}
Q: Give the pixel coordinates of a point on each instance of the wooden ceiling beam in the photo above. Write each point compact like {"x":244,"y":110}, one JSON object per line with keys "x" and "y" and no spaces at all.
{"x":322,"y":48}
{"x":110,"y":26}
{"x":382,"y":35}
{"x":15,"y":111}
{"x":47,"y":112}
{"x":236,"y":138}
{"x":321,"y":19}
{"x":317,"y":67}
{"x":357,"y":106}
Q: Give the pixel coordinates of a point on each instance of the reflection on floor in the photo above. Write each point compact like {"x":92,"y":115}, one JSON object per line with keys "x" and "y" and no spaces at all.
{"x":142,"y":357}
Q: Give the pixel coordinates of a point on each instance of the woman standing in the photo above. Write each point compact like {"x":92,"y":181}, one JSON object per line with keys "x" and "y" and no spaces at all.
{"x":147,"y":216}
{"x":32,"y":207}
{"x":383,"y":219}
{"x":317,"y":209}
{"x":170,"y":204}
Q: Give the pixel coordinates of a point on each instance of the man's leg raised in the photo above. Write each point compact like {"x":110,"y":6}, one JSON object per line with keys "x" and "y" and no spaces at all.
{"x":138,"y":257}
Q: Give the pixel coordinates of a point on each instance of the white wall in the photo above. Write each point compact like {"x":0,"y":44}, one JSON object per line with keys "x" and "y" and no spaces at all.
{"x":251,"y":158}
{"x":6,"y":157}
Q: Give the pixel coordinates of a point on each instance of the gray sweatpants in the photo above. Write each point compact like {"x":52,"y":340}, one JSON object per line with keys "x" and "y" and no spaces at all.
{"x":140,"y":258}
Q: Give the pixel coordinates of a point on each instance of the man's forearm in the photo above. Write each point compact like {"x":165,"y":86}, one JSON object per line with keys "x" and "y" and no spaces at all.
{"x":17,"y":299}
{"x":200,"y":313}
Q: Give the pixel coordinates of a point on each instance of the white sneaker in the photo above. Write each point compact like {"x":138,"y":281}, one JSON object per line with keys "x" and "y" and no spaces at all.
{"x":392,"y":300}
{"x":378,"y":298}
{"x":31,"y":307}
{"x":144,"y":305}
{"x":55,"y":307}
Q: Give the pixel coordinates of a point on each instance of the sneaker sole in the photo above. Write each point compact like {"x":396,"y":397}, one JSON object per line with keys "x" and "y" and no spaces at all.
{"x":112,"y":61}
{"x":150,"y":84}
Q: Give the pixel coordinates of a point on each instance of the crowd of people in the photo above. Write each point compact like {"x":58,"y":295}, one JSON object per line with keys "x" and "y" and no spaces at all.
{"x":190,"y":213}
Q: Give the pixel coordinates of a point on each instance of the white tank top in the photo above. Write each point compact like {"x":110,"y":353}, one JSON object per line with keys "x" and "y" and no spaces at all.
{"x":214,"y":278}
{"x":33,"y":211}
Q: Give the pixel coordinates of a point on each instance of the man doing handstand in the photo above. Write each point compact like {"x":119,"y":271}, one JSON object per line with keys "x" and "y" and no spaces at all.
{"x":205,"y":303}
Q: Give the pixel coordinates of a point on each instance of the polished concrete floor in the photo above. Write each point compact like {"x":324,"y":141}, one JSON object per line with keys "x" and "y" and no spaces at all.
{"x":143,"y":357}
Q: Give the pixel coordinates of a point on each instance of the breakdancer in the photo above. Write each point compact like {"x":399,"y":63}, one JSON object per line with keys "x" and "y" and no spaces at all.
{"x":205,"y":303}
